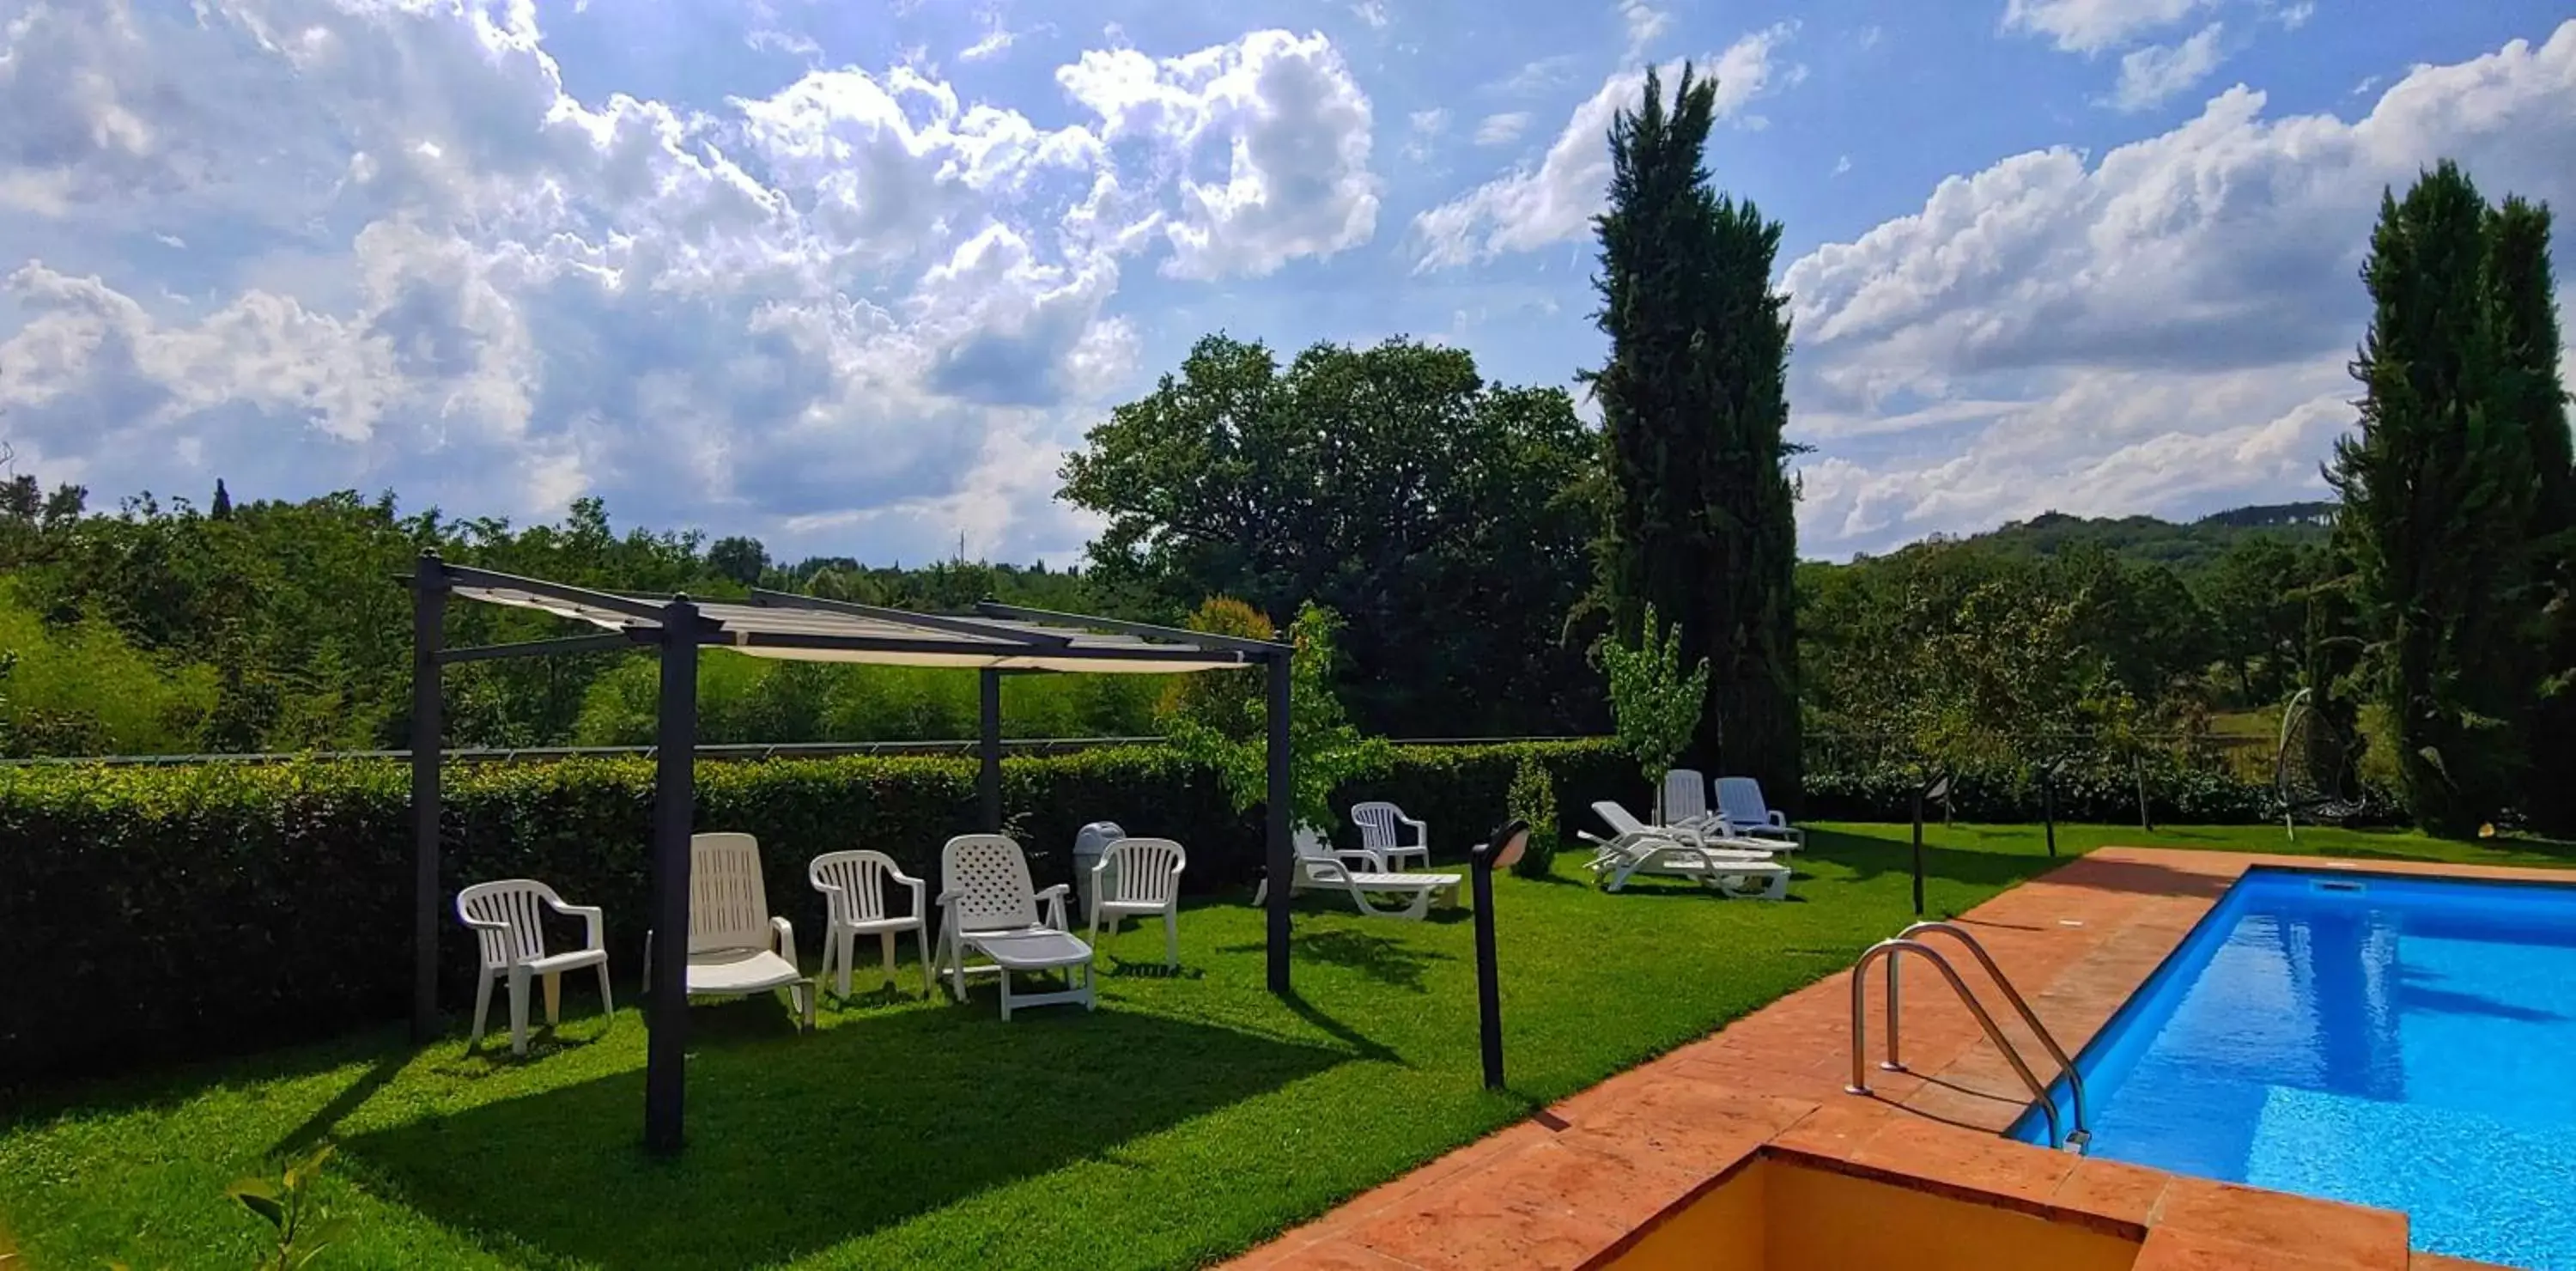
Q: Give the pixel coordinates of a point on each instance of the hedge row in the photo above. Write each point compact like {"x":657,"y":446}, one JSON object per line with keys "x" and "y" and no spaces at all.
{"x":152,"y":913}
{"x":2180,"y":790}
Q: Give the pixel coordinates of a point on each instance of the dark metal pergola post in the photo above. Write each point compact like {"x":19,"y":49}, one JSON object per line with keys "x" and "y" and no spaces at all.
{"x":428,"y":639}
{"x":988,"y":776}
{"x":674,"y":806}
{"x":1281,"y":863}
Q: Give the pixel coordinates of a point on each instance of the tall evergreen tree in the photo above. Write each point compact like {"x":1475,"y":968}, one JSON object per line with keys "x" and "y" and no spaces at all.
{"x":223,"y":507}
{"x":2440,"y":492}
{"x":1694,"y":401}
{"x":2531,"y":392}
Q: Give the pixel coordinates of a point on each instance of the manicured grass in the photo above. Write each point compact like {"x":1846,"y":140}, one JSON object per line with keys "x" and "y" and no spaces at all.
{"x":1188,"y":1118}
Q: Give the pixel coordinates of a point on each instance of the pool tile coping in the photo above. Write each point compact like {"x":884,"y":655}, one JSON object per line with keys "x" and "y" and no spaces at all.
{"x":1577,"y":1184}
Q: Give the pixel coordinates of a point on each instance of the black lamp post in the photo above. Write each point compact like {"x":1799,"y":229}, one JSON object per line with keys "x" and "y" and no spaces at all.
{"x":1939,"y":789}
{"x":1499,"y":852}
{"x":2048,"y":800}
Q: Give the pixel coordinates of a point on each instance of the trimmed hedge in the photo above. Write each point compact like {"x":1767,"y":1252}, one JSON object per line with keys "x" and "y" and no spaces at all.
{"x":153,"y":913}
{"x":2180,"y":790}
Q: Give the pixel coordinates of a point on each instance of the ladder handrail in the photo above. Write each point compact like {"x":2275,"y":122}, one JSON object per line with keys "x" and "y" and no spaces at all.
{"x":1888,"y":949}
{"x":2021,"y":1006}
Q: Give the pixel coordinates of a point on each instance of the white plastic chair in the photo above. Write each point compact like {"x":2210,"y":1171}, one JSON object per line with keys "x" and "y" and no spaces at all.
{"x":988,"y":905}
{"x":1685,"y":801}
{"x":1381,"y":826}
{"x":504,"y":918}
{"x":1360,"y":872}
{"x":1139,"y":878}
{"x":1739,"y":801}
{"x":736,"y":948}
{"x":854,"y":905}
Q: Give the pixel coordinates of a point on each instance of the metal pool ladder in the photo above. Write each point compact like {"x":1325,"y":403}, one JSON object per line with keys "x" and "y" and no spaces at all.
{"x":1906,"y":942}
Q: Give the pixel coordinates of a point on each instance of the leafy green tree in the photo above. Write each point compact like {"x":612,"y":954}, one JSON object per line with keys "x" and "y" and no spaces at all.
{"x":1694,"y":403}
{"x":1532,"y":798}
{"x":1656,"y":703}
{"x":738,"y":559}
{"x":1391,"y":484}
{"x":1325,"y":749}
{"x":2532,"y":392}
{"x":2441,"y":490}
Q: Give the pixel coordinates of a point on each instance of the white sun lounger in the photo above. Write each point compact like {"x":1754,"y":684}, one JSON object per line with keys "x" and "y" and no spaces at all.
{"x":1734,"y":869}
{"x":1739,"y":802}
{"x":1362,"y":873}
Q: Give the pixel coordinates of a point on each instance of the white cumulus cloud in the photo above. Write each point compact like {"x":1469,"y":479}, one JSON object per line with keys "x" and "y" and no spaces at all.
{"x":2090,"y":26}
{"x":1554,"y":202}
{"x":2162,"y":328}
{"x":2152,"y":75}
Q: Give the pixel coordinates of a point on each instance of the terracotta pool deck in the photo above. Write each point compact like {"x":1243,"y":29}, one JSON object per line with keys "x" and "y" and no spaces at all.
{"x":1572,"y":1186}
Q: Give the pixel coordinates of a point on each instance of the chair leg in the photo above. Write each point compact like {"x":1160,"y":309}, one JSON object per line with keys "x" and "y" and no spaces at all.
{"x":846,"y":944}
{"x":1171,"y":940}
{"x":607,"y":1004}
{"x":1091,"y":937}
{"x":1005,"y":978}
{"x":554,"y":998}
{"x":885,"y":941}
{"x":1261,"y":892}
{"x":922,"y":935}
{"x":482,"y":1008}
{"x":518,"y":1010}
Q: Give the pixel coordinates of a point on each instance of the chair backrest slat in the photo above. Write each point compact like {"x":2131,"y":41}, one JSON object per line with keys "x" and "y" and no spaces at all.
{"x":1378,"y":824}
{"x":861,"y":878}
{"x":989,"y":876}
{"x":1148,"y":871}
{"x":512,"y":901}
{"x":1685,"y":795}
{"x":728,"y":906}
{"x":1740,"y":798}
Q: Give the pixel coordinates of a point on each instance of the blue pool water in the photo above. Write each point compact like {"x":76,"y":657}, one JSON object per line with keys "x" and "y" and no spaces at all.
{"x":2403,"y":1043}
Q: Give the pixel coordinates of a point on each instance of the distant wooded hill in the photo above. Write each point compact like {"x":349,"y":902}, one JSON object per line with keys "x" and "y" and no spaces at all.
{"x":2188,"y":547}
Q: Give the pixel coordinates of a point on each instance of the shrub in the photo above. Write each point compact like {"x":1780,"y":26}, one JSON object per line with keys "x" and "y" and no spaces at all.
{"x":1533,"y":799}
{"x":156,"y":912}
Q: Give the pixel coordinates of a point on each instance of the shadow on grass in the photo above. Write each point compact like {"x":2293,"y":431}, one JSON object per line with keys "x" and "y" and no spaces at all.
{"x":797,"y":1143}
{"x":1387,"y":959}
{"x":1868,"y":857}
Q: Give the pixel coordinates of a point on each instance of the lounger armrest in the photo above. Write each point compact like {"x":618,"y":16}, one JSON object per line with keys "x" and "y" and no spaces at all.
{"x":592,"y":917}
{"x":1053,"y":899}
{"x":1371,"y":858}
{"x":784,"y":933}
{"x":920,"y":904}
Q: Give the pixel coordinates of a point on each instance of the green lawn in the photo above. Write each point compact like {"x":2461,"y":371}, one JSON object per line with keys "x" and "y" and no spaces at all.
{"x":1187,"y":1119}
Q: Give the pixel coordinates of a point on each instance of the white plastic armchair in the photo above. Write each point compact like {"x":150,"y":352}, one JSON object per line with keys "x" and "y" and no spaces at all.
{"x":1139,"y":878}
{"x":1382,"y":830}
{"x":736,"y":948}
{"x":1739,"y":801}
{"x":854,"y":904}
{"x":512,"y":942}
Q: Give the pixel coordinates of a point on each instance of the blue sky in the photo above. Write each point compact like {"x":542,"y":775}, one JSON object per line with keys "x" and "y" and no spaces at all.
{"x":852,"y":276}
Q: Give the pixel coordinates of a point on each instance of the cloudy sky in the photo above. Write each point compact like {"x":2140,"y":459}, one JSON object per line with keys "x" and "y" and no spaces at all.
{"x":850,"y":275}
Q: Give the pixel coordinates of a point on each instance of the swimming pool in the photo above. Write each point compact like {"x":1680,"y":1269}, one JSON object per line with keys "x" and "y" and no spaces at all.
{"x":2406,"y":1043}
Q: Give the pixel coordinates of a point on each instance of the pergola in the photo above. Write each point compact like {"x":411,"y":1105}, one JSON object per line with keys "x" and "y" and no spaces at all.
{"x":996,"y":640}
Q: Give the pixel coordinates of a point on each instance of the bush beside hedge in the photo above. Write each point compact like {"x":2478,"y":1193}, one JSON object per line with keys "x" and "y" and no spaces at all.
{"x":150,"y":913}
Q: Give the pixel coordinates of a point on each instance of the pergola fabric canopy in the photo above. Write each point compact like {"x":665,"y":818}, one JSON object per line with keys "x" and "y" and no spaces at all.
{"x":802,"y":628}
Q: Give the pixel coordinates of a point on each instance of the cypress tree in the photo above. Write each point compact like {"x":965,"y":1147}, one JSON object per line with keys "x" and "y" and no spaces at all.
{"x":1694,"y":402}
{"x":2439,"y":491}
{"x":2531,"y":393}
{"x":223,"y":509}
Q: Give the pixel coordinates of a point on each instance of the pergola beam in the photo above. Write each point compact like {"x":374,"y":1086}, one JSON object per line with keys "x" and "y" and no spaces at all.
{"x":468,"y":576}
{"x":1146,"y":630}
{"x":906,"y":617}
